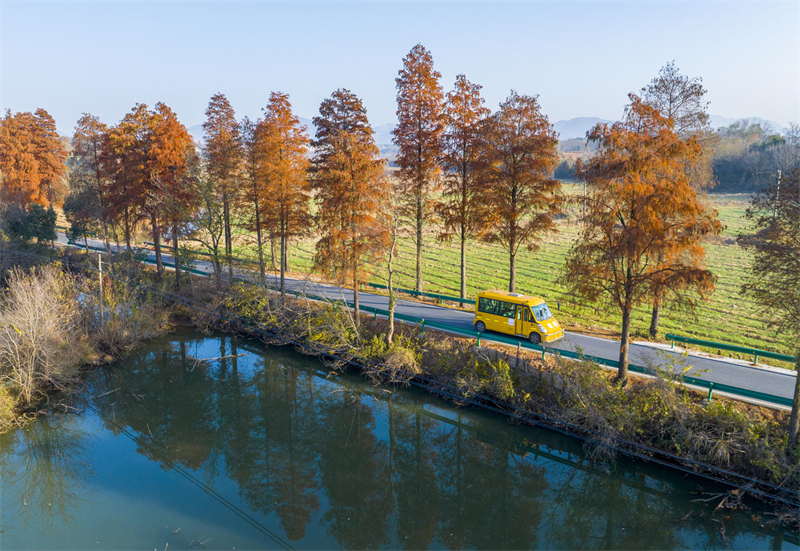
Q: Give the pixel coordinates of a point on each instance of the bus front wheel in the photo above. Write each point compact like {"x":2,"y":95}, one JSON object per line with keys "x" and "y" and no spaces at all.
{"x":535,"y":337}
{"x":480,"y":326}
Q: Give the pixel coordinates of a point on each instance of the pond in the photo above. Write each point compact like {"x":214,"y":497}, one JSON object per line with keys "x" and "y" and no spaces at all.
{"x":267,"y":448}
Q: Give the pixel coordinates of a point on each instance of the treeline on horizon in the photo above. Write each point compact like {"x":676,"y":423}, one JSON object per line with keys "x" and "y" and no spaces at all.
{"x":745,"y":156}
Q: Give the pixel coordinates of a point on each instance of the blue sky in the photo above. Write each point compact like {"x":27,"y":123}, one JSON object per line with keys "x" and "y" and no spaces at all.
{"x":581,"y":58}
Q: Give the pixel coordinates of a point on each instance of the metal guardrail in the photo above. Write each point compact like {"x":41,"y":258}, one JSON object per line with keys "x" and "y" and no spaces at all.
{"x":422,"y":323}
{"x":755,"y":352}
{"x":686,"y":379}
{"x":695,"y":381}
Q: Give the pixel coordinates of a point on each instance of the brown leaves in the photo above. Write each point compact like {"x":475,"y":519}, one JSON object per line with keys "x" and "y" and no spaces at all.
{"x":281,"y":149}
{"x":643,"y":228}
{"x":351,"y":188}
{"x":31,"y":159}
{"x":519,"y":152}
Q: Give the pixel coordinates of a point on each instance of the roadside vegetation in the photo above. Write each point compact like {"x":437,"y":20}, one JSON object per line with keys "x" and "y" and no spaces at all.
{"x":55,"y":323}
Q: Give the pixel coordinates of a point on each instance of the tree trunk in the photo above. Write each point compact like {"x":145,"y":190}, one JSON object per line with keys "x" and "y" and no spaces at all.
{"x":656,"y":315}
{"x":419,"y":242}
{"x":283,"y":247}
{"x":260,"y":248}
{"x":175,"y":254}
{"x":356,"y":307}
{"x":105,"y":237}
{"x":272,"y":250}
{"x":286,"y":255}
{"x":794,"y":417}
{"x":226,"y":219}
{"x":463,"y":266}
{"x":512,"y":276}
{"x":392,"y":305}
{"x":157,"y":246}
{"x":127,"y":230}
{"x":217,"y":270}
{"x":622,"y":374}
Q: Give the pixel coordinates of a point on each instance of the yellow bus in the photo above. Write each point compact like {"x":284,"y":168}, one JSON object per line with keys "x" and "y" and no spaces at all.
{"x":516,"y":314}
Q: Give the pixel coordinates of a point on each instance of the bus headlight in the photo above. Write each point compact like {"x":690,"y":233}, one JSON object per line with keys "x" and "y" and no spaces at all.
{"x":541,"y":328}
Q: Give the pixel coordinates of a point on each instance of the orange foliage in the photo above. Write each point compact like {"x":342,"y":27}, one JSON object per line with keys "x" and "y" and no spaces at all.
{"x":518,"y":191}
{"x":282,"y":165}
{"x":461,"y":205}
{"x":418,"y":134}
{"x":223,"y":154}
{"x":148,"y":156}
{"x":644,"y":223}
{"x":31,"y":159}
{"x":351,"y":190}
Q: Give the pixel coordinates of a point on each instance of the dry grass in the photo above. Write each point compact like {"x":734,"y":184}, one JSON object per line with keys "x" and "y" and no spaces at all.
{"x":41,"y":342}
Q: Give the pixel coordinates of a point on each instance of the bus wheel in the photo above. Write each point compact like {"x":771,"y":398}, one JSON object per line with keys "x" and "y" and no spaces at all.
{"x":480,"y":326}
{"x":535,"y":337}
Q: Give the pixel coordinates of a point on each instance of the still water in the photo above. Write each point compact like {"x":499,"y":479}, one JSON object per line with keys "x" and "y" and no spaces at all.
{"x":265,"y":449}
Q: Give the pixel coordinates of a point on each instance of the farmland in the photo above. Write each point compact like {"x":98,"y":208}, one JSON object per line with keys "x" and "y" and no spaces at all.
{"x":726,"y":317}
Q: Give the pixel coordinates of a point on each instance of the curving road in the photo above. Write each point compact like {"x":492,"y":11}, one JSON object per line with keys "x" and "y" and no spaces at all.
{"x":774,"y":381}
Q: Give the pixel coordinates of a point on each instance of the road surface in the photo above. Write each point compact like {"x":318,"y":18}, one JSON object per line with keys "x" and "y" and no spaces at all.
{"x":776,"y":382}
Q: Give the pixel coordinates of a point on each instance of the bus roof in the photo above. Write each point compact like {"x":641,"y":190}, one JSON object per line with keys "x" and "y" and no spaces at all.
{"x":516,"y":298}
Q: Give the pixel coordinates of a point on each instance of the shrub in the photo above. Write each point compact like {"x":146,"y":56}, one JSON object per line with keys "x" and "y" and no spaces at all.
{"x":40,"y":342}
{"x":35,"y":222}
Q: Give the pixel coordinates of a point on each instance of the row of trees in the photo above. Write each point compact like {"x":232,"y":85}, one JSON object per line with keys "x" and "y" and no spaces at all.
{"x":749,"y":154}
{"x":494,"y":171}
{"x":483,"y":175}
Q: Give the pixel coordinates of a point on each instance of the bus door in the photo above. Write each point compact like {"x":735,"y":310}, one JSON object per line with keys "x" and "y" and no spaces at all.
{"x":518,"y":325}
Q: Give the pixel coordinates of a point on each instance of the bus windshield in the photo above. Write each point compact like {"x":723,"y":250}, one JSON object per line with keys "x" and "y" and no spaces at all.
{"x":541,"y":312}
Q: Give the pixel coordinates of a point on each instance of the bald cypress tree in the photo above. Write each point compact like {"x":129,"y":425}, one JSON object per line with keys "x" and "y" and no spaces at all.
{"x":348,"y":177}
{"x":419,"y":137}
{"x":223,"y":154}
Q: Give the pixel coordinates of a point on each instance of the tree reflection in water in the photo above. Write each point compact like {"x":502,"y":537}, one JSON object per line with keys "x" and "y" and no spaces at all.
{"x":341,"y":463}
{"x":48,"y":462}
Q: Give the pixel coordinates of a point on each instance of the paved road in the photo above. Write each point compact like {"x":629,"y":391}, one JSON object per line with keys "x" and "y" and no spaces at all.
{"x":778,"y":382}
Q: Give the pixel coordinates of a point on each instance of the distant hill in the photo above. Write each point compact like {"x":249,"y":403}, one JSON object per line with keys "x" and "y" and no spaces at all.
{"x":197,"y":133}
{"x":576,"y":128}
{"x":718,"y":122}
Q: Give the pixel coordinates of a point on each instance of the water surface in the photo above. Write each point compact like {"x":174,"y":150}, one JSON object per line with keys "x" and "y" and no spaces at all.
{"x":271,"y":450}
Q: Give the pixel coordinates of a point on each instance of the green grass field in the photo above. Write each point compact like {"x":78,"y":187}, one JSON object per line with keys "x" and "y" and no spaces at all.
{"x":727,"y":317}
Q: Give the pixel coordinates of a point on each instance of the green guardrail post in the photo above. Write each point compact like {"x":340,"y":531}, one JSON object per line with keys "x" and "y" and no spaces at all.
{"x":376,"y":314}
{"x":672,"y":345}
{"x":423,"y":326}
{"x":755,"y":359}
{"x":710,"y":391}
{"x":544,"y":351}
{"x":479,"y":339}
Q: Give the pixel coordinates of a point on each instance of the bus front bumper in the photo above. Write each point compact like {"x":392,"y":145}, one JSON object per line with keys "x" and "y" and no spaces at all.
{"x":552,"y":337}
